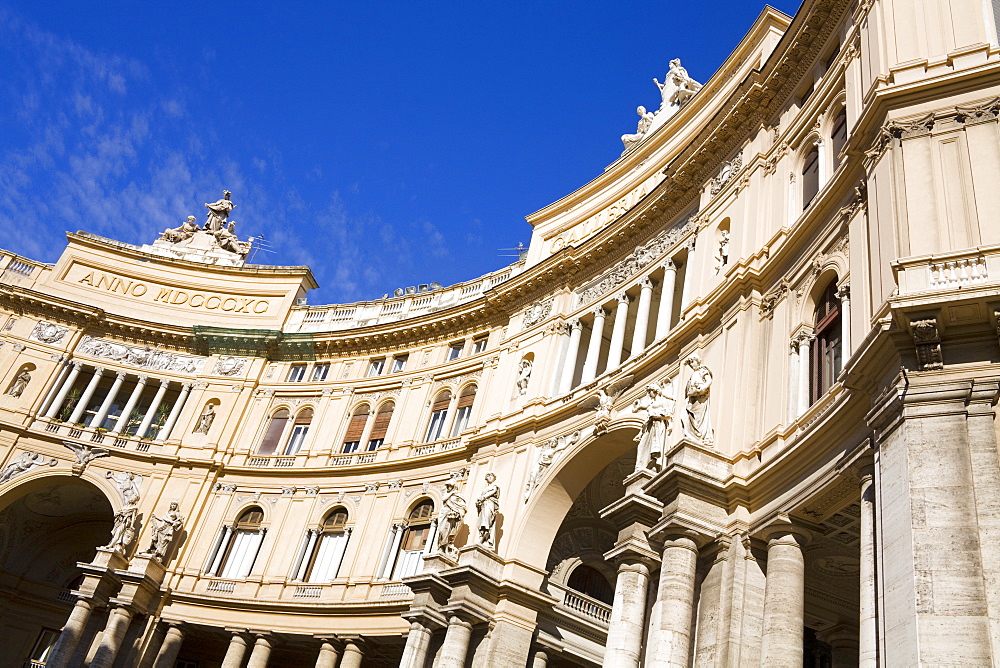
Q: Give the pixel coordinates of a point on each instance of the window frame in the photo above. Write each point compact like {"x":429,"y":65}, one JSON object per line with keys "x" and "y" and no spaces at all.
{"x":320,"y":372}
{"x":376,"y":366}
{"x":826,"y":349}
{"x":296,"y":373}
{"x":455,"y":350}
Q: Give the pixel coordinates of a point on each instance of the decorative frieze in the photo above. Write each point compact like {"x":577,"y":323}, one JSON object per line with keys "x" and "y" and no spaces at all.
{"x":224,"y":488}
{"x":142,"y":357}
{"x":47,"y":332}
{"x":726,"y":174}
{"x":771,"y":298}
{"x":229,"y":366}
{"x":24,"y":462}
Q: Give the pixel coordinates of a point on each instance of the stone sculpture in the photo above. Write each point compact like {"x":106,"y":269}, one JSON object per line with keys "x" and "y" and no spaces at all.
{"x":488,"y":505}
{"x":218,"y":212}
{"x":47,"y":332}
{"x":677,"y":87}
{"x":656,"y":408}
{"x":697,"y":421}
{"x":182,"y":233}
{"x":19,"y":384}
{"x":722,"y":254}
{"x":123,"y":531}
{"x":453,"y":509}
{"x":604,"y":402}
{"x":228,"y":241}
{"x":645,"y":121}
{"x":25,"y":461}
{"x":548,"y":452}
{"x":164,"y":530}
{"x":84,"y":454}
{"x":205,"y":420}
{"x":523,"y":376}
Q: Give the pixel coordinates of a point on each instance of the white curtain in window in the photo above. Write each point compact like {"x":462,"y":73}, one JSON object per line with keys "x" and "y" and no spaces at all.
{"x":408,"y":564}
{"x":329,"y":556}
{"x":244,"y":552}
{"x":296,"y":440}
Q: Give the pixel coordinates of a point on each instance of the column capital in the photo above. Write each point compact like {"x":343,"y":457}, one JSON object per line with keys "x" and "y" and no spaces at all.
{"x":668,"y":265}
{"x":844,"y":291}
{"x":646,"y":283}
{"x":781,"y":530}
{"x":804,"y":338}
{"x":575,"y":323}
{"x":142,"y":379}
{"x":99,"y":370}
{"x":623,"y":298}
{"x":120,"y":375}
{"x":599,"y":312}
{"x":455,"y":620}
{"x":77,"y":366}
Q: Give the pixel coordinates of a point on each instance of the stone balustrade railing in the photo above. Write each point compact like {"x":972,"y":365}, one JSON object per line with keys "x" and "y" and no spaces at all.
{"x":581,"y":604}
{"x":967,"y":268}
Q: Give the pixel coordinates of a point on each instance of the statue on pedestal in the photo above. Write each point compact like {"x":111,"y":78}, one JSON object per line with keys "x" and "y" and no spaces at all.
{"x":488,"y":505}
{"x":19,"y":384}
{"x":677,"y":87}
{"x":123,"y":531}
{"x":164,"y":531}
{"x":205,"y":420}
{"x":182,"y":233}
{"x":218,"y":212}
{"x":656,"y":408}
{"x":698,"y":420}
{"x":453,"y":509}
{"x":645,"y":120}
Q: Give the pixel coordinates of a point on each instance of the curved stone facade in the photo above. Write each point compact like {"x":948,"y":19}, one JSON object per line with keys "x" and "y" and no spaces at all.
{"x":734,"y":407}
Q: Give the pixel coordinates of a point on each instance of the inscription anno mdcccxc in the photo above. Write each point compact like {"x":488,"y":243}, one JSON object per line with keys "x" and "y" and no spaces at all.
{"x":174,"y":296}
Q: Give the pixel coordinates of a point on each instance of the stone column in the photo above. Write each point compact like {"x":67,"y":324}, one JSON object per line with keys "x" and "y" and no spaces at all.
{"x":843,"y":642}
{"x":572,"y":353}
{"x":133,"y":399}
{"x":102,"y":412}
{"x":235,"y":652}
{"x":784,"y":601}
{"x":594,"y":346}
{"x":844,"y":295}
{"x":867,"y":622}
{"x":70,"y":636}
{"x":328,"y":656}
{"x":540,"y":659}
{"x":261,"y":652}
{"x":175,"y":412}
{"x":666,"y":299}
{"x":88,"y":392}
{"x":689,"y":277}
{"x":642,"y":316}
{"x":63,"y":391}
{"x":147,"y":419}
{"x":353,"y":655}
{"x":456,"y":644}
{"x":63,"y":369}
{"x":618,"y":332}
{"x":418,"y":641}
{"x":793,"y":380}
{"x":628,"y":613}
{"x":670,"y":641}
{"x":171,"y":647}
{"x":111,"y":641}
{"x":805,"y":340}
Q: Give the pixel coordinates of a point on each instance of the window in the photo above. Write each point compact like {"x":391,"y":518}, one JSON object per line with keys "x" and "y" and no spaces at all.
{"x":239,"y":545}
{"x":323,"y":562}
{"x":355,"y":429}
{"x":455,"y":350}
{"x":439,"y":414}
{"x":43,"y":646}
{"x":838,"y":136}
{"x":463,"y":410}
{"x":399,"y":363}
{"x":320,"y":371}
{"x":591,"y":582}
{"x":381,"y":426}
{"x":479,"y":344}
{"x":810,"y":177}
{"x":415,"y":540}
{"x":272,"y":435}
{"x":299,"y":430}
{"x":296,"y":373}
{"x":375,"y":367}
{"x":826,"y":352}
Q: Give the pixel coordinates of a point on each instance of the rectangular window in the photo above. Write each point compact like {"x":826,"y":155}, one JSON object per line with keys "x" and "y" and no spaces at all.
{"x":461,"y":420}
{"x":320,"y":371}
{"x":399,"y":363}
{"x":436,"y":428}
{"x":375,"y":444}
{"x":455,"y":350}
{"x":375,"y":367}
{"x":351,"y":446}
{"x":479,"y":345}
{"x":838,"y":137}
{"x":810,"y":178}
{"x":296,"y":373}
{"x":296,"y":440}
{"x":43,"y":646}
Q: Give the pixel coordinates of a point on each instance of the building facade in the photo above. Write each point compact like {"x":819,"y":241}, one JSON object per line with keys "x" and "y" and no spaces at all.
{"x":734,"y":407}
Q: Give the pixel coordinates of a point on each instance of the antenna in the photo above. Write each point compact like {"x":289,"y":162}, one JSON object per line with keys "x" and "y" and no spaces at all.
{"x":519,"y":251}
{"x":259,"y":243}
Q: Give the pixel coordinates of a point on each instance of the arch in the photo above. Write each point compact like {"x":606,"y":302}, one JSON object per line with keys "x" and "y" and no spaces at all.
{"x":826,"y":349}
{"x":592,"y":582}
{"x":239,"y":545}
{"x":421,"y":508}
{"x":336,"y":517}
{"x":42,"y":477}
{"x":246,"y":510}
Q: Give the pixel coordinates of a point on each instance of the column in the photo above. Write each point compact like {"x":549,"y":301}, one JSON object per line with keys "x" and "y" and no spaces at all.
{"x":627,"y":616}
{"x":561,"y":333}
{"x":353,"y":655}
{"x":301,"y":562}
{"x":843,"y":642}
{"x":261,"y":652}
{"x":418,"y":641}
{"x":63,"y":391}
{"x":670,"y":640}
{"x":540,"y":659}
{"x":689,"y":277}
{"x":235,"y":652}
{"x":175,"y":412}
{"x":70,"y":636}
{"x":111,"y":641}
{"x":844,"y":295}
{"x":572,"y":353}
{"x":102,"y":412}
{"x":618,"y":332}
{"x":793,"y":380}
{"x":219,"y":551}
{"x":328,"y":656}
{"x":171,"y":647}
{"x":133,"y":399}
{"x":430,"y":546}
{"x":456,"y":644}
{"x":88,"y":392}
{"x":805,"y":340}
{"x":153,"y":406}
{"x":63,"y":369}
{"x":642,"y":316}
{"x":594,"y":347}
{"x":867,"y":623}
{"x":784,"y":601}
{"x":666,"y":299}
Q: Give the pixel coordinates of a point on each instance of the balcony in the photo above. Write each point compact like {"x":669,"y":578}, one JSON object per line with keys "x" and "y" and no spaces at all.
{"x":582,"y":606}
{"x":437,"y":446}
{"x":956,"y":270}
{"x":275,"y":462}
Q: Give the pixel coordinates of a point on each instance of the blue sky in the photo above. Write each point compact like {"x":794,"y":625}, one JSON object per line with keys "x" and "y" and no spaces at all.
{"x":383,"y":144}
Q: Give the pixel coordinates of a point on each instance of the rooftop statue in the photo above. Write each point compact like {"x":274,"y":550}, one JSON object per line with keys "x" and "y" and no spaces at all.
{"x":677,"y":88}
{"x":218,"y":234}
{"x":218,"y":212}
{"x":645,"y":120}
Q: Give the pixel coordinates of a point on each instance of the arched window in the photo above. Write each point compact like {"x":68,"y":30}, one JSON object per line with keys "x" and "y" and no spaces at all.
{"x":826,"y":347}
{"x":381,"y":426}
{"x":810,"y":177}
{"x":838,"y":136}
{"x":237,"y":546}
{"x":591,"y":582}
{"x":323,"y":549}
{"x":439,"y":416}
{"x":299,"y":430}
{"x":272,"y":435}
{"x":355,"y":429}
{"x":463,"y":410}
{"x":416,"y":540}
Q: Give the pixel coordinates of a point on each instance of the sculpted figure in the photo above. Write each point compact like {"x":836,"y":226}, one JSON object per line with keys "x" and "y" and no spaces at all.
{"x":206,"y":420}
{"x":698,"y":422}
{"x":227,"y":239}
{"x":523,"y":377}
{"x":547,"y":453}
{"x":123,"y":531}
{"x":20,"y":383}
{"x":453,"y":509}
{"x":604,"y":402}
{"x":656,"y":408}
{"x":185,"y":231}
{"x":24,"y":462}
{"x":218,"y":212}
{"x":645,"y":120}
{"x":164,"y":530}
{"x":488,"y":505}
{"x":677,"y":87}
{"x":722,"y":255}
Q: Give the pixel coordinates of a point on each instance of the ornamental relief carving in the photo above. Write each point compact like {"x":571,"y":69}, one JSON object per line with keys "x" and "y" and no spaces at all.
{"x":536,"y":313}
{"x":142,"y":357}
{"x":47,"y":332}
{"x":726,"y":174}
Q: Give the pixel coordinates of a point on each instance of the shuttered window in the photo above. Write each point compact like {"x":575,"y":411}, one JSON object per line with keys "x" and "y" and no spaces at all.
{"x":380,"y":427}
{"x":810,"y":177}
{"x":439,"y":415}
{"x":272,"y":435}
{"x":464,"y":410}
{"x":355,"y":428}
